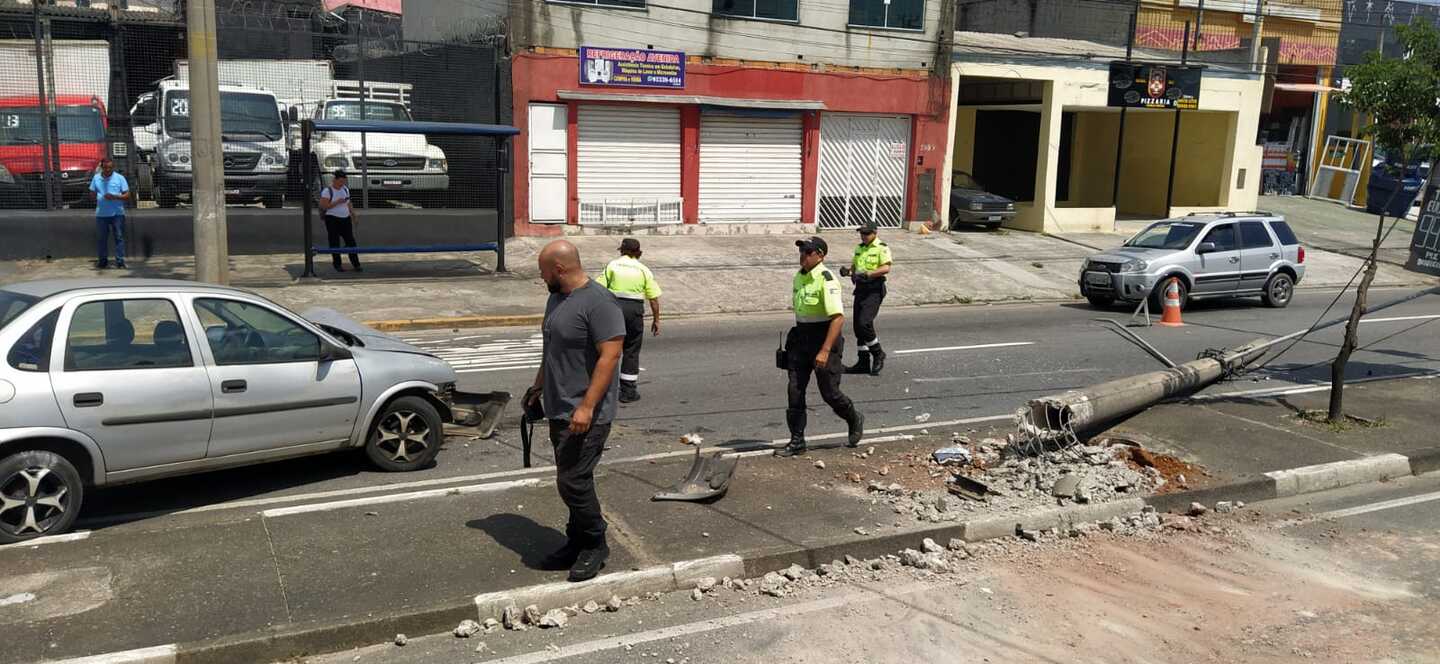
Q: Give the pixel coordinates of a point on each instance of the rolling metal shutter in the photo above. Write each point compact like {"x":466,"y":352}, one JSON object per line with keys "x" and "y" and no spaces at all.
{"x":629,"y":164}
{"x":750,"y":168}
{"x":863,"y":165}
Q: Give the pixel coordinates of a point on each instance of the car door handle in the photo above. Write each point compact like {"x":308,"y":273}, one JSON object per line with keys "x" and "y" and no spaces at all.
{"x":1234,"y":259}
{"x":233,"y":387}
{"x":1274,"y":256}
{"x":89,"y":399}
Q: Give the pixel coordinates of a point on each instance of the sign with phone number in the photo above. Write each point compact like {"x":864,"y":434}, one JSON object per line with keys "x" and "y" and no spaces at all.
{"x":631,"y":68}
{"x":1425,"y":244}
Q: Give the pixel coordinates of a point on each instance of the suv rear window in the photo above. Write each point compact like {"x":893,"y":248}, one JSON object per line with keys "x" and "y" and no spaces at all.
{"x":1254,"y":236}
{"x":1282,"y":231}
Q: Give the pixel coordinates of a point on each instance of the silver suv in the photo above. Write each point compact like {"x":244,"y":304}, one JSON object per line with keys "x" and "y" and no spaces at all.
{"x":112,"y":381}
{"x":1230,"y":254}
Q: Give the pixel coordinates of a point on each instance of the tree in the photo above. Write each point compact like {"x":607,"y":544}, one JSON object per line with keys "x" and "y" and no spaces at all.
{"x":1400,"y":97}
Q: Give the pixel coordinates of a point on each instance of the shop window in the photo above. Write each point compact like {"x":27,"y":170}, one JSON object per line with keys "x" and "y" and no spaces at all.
{"x":627,"y":4}
{"x":896,"y":14}
{"x":775,"y":10}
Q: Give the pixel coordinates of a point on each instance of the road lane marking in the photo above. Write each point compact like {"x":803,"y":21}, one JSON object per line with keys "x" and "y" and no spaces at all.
{"x":401,"y":497}
{"x":489,"y":369}
{"x":154,"y":655}
{"x":1393,"y":319}
{"x":1383,"y":505}
{"x":949,"y":379}
{"x":51,"y":539}
{"x":974,"y":347}
{"x":866,"y":594}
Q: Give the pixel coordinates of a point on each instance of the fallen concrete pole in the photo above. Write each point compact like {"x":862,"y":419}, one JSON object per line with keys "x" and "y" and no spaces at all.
{"x":1059,"y":417}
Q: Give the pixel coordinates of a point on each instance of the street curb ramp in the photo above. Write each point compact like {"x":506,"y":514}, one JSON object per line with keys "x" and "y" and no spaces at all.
{"x":298,"y":640}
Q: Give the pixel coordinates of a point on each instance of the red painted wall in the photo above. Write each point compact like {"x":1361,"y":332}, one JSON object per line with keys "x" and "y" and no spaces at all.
{"x":540,"y":77}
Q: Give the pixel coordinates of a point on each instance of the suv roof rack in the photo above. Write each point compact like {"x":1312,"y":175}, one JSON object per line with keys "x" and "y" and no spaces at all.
{"x":1231,"y":213}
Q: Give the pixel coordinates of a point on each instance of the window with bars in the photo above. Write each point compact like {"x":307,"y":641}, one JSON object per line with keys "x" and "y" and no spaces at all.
{"x":775,"y":10}
{"x":894,"y":14}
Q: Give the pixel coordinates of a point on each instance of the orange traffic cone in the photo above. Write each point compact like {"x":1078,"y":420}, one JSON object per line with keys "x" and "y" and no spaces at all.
{"x":1170,"y":311}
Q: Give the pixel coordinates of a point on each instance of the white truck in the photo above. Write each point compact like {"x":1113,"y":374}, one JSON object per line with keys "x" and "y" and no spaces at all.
{"x":79,"y":74}
{"x":400,"y":166}
{"x":253,"y":134}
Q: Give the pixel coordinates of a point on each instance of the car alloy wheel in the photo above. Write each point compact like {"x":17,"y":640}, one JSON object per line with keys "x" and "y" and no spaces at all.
{"x":404,"y":436}
{"x":33,"y":502}
{"x":1279,"y":290}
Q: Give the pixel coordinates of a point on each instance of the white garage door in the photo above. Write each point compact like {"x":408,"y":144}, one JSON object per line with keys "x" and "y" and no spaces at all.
{"x":863,"y":165}
{"x":750,"y":168}
{"x":628,"y":158}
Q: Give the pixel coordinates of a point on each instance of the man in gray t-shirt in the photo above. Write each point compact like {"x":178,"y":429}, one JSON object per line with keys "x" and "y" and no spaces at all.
{"x":584,"y":333}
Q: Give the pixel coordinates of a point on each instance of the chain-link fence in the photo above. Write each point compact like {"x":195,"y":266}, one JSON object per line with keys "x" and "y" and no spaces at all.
{"x":83,"y":83}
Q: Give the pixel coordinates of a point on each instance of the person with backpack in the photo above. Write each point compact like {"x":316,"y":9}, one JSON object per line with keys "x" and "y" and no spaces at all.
{"x":339,"y":218}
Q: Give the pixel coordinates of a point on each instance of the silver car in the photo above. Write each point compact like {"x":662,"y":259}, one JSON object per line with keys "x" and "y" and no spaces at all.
{"x":1228,"y":254}
{"x":113,"y":381}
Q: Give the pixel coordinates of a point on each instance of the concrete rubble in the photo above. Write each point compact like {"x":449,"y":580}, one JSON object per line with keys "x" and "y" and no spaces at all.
{"x":554,"y":618}
{"x":467,"y":629}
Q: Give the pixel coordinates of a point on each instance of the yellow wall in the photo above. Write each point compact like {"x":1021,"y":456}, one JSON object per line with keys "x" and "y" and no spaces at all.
{"x":1092,"y":176}
{"x":964,"y":141}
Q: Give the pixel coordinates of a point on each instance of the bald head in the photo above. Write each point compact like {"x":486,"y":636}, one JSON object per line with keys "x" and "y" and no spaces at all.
{"x":560,"y":267}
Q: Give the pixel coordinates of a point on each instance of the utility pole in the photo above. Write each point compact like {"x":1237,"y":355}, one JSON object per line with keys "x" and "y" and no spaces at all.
{"x":1255,"y":64}
{"x":212,"y":253}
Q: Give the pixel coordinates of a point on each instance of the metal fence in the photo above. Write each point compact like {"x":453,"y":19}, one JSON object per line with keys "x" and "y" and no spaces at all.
{"x":81,"y":83}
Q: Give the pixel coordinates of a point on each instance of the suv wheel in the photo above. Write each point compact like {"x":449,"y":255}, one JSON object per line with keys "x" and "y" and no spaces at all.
{"x":406,"y":436}
{"x":40,"y":495}
{"x":1157,"y":296}
{"x":1278,"y":290}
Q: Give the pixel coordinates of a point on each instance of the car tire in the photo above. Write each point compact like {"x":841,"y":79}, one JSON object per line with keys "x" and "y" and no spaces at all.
{"x":274,"y":202}
{"x":40,"y":495}
{"x":1157,"y":296}
{"x":403,"y":424}
{"x":1100,"y":302}
{"x":1279,"y":290}
{"x":165,"y":198}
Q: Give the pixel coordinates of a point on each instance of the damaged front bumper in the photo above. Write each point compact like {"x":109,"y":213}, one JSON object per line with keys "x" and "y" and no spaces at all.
{"x":481,"y":410}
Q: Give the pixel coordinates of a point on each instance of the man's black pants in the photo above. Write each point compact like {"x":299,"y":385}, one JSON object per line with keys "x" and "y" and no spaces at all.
{"x":802,"y":345}
{"x":341,"y":228}
{"x":576,"y":456}
{"x":867,"y":304}
{"x":634,"y":311}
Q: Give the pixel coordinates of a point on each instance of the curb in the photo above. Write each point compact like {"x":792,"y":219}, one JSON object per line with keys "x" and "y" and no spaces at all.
{"x":294,"y":641}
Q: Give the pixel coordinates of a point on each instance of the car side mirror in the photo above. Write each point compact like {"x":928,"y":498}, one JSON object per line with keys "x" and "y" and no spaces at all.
{"x":292,"y":114}
{"x":329,"y":353}
{"x":1205,"y":248}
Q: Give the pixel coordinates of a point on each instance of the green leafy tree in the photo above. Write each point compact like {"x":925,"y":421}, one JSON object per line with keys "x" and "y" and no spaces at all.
{"x":1400,"y":98}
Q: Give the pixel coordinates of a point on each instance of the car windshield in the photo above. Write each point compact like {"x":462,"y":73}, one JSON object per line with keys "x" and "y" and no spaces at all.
{"x":965,"y":181}
{"x":12,"y":305}
{"x":374,"y":110}
{"x":25,"y":126}
{"x":243,"y":116}
{"x":1166,"y":235}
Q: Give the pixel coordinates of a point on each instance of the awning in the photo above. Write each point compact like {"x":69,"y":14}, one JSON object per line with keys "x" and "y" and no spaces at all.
{"x":1305,"y":87}
{"x":729,"y":102}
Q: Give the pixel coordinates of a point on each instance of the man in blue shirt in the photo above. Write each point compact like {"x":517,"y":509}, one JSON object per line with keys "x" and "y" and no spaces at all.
{"x":110,"y":191}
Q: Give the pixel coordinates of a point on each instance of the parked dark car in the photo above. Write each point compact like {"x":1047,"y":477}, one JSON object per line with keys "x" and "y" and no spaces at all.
{"x":1383,"y":182}
{"x":971,"y":204}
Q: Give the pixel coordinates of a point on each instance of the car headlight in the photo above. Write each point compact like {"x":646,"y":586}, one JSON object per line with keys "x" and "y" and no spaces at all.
{"x":1009,"y":206}
{"x":337,"y":161}
{"x":1134,"y":266}
{"x":179,"y":161}
{"x":5,"y":175}
{"x":976,"y":206}
{"x":1084,"y":265}
{"x":267,"y":160}
{"x":442,"y":164}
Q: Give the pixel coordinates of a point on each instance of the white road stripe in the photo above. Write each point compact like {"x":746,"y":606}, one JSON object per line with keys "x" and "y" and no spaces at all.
{"x":155,"y":655}
{"x":950,"y":379}
{"x":528,"y":366}
{"x":725,"y":622}
{"x":1393,"y":319}
{"x":975,"y":347}
{"x":52,"y":539}
{"x":1383,"y":505}
{"x":401,"y":497}
{"x":1305,"y":389}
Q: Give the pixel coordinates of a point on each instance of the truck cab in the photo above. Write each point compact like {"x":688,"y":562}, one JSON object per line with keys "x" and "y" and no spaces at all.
{"x":81,"y":125}
{"x":399,"y":166}
{"x":253,"y":135}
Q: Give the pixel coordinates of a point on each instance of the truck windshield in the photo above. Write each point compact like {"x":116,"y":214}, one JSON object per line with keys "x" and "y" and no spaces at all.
{"x":243,"y":116}
{"x":374,"y":110}
{"x":12,"y":305}
{"x":25,"y":126}
{"x":1166,"y":235}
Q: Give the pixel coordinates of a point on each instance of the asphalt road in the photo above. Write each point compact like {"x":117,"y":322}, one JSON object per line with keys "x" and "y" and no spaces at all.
{"x":961,"y":366}
{"x":1341,"y":576}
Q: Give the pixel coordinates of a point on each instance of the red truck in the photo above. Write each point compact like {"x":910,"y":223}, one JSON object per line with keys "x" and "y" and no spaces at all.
{"x":81,"y":125}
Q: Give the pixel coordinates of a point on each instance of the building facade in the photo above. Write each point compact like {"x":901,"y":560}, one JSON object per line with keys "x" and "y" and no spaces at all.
{"x":641,"y":113}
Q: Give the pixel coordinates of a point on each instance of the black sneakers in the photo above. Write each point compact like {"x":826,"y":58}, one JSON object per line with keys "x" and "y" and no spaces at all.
{"x":857,"y":429}
{"x":561,"y":558}
{"x":629,"y":393}
{"x":877,"y":360}
{"x":589,"y":563}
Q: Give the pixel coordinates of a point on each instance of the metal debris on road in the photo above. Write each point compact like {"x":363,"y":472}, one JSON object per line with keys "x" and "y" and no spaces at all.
{"x":954,"y":454}
{"x":966,"y":487}
{"x":708,"y":478}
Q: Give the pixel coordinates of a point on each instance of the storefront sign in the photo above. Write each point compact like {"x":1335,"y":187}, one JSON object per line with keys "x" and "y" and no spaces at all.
{"x":1425,"y":246}
{"x":631,"y":68}
{"x":1140,"y":85}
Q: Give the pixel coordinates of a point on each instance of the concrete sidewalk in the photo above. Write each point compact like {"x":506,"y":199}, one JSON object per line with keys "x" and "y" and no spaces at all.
{"x":308,"y":578}
{"x":701,"y":275}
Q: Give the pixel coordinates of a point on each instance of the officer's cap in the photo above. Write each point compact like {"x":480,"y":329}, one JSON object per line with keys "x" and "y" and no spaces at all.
{"x":813,"y":243}
{"x":629,"y":245}
{"x":867,"y":228}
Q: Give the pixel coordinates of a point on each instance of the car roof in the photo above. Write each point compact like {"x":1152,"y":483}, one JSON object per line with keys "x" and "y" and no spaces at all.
{"x":49,"y":287}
